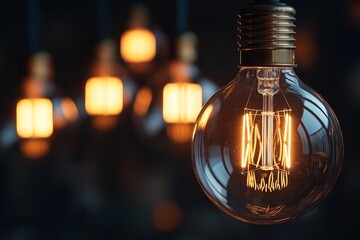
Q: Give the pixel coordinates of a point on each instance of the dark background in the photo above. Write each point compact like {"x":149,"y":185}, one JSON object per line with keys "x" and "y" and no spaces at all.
{"x":109,"y":186}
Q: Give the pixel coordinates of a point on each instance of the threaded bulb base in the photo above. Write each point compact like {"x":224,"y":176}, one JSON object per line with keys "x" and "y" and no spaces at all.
{"x":267,"y":36}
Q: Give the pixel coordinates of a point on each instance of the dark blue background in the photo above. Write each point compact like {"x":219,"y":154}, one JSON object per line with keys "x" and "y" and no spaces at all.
{"x":103,"y":186}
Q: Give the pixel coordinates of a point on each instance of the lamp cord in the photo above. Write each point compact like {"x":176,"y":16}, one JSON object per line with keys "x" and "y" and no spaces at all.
{"x":33,"y":24}
{"x":181,"y":16}
{"x":103,"y":13}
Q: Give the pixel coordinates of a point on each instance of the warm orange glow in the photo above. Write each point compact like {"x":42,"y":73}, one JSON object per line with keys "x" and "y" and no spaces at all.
{"x":138,"y":46}
{"x":243,"y":158}
{"x":182,"y":102}
{"x":288,"y":141}
{"x":34,"y":148}
{"x":276,"y":175}
{"x":167,"y":216}
{"x":34,"y":118}
{"x":205,"y":116}
{"x":104,"y":96}
{"x":142,"y":101}
{"x":104,"y":123}
{"x":180,"y":133}
{"x":69,"y":110}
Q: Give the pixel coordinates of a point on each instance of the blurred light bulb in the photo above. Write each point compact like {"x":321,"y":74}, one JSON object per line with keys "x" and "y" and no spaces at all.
{"x":144,"y":47}
{"x":40,"y":84}
{"x":182,"y":103}
{"x":42,"y":109}
{"x":166,"y":109}
{"x":138,"y":45}
{"x":104,"y":100}
{"x":34,"y":118}
{"x":109,"y":91}
{"x":104,"y":96}
{"x":34,"y":125}
{"x":266,"y":147}
{"x":69,"y":109}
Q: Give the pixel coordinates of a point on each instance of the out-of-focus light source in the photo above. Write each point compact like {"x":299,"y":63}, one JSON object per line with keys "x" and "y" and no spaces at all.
{"x":138,"y":46}
{"x":141,"y":43}
{"x":306,"y":50}
{"x":353,"y":14}
{"x":104,"y":96}
{"x":182,"y":102}
{"x":109,"y":90}
{"x":165,"y":110}
{"x":34,"y":118}
{"x":35,"y":148}
{"x":34,"y":125}
{"x":69,"y":109}
{"x":142,"y":101}
{"x":104,"y":101}
{"x":167,"y":216}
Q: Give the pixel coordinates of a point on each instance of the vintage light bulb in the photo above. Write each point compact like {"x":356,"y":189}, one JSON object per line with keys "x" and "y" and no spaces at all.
{"x":34,"y":118}
{"x":165,"y":110}
{"x":108,"y":91}
{"x":104,"y":96}
{"x":138,"y":42}
{"x":182,"y":103}
{"x":34,"y":125}
{"x":266,"y":147}
{"x":40,"y":84}
{"x":35,"y":112}
{"x":138,"y":45}
{"x":144,"y":48}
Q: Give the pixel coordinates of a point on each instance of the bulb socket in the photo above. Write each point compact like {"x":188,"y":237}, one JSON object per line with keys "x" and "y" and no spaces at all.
{"x":267,"y":35}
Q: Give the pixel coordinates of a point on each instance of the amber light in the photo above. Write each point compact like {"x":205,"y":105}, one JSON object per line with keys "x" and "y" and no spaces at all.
{"x":279,"y":155}
{"x":167,"y":216}
{"x":69,"y":109}
{"x":142,"y":101}
{"x":138,"y":46}
{"x":182,"y":102}
{"x":179,"y":133}
{"x":35,"y":148}
{"x":104,"y":96}
{"x":34,"y":118}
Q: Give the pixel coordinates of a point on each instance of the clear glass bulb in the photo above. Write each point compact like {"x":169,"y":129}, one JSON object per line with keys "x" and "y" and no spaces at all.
{"x":266,"y":147}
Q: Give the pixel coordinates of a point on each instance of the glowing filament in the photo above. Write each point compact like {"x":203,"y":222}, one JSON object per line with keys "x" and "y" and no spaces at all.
{"x":272,"y":174}
{"x":287,"y":140}
{"x":34,"y":118}
{"x":104,"y":96}
{"x":182,"y":102}
{"x":138,"y":45}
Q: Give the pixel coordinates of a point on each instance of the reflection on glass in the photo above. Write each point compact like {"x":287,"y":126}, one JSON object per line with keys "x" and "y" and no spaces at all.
{"x":266,"y":147}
